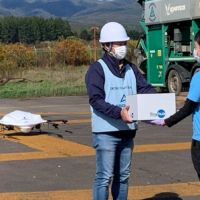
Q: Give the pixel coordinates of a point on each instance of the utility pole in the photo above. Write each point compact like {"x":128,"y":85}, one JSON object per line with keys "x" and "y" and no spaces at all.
{"x":50,"y":55}
{"x":35,"y":56}
{"x":95,"y":53}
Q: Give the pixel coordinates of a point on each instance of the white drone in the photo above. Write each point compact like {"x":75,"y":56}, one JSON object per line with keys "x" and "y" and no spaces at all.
{"x":25,"y":121}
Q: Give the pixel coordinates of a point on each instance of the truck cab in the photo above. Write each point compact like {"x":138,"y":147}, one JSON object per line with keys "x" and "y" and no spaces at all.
{"x":165,"y":50}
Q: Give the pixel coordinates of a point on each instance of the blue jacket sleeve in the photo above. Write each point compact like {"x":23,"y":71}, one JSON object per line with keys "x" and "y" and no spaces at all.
{"x":142,"y":86}
{"x":94,"y":80}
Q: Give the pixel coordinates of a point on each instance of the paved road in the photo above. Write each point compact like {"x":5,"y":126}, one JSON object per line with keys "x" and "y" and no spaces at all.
{"x":60,"y":165}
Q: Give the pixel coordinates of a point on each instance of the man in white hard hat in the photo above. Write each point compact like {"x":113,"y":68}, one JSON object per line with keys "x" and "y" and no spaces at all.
{"x":108,"y":82}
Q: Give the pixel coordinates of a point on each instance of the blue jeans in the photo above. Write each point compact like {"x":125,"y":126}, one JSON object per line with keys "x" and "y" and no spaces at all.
{"x":113,"y":161}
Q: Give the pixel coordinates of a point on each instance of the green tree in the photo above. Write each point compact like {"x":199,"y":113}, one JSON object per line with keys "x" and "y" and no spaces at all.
{"x":85,"y":35}
{"x":32,"y":29}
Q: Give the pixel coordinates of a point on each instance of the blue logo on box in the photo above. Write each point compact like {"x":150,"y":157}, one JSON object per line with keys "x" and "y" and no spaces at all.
{"x":161,"y":113}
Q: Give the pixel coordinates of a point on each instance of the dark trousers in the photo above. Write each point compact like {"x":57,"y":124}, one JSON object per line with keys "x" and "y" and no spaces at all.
{"x":195,"y":151}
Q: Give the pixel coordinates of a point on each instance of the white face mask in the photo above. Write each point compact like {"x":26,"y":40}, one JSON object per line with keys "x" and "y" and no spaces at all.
{"x":196,"y":56}
{"x":120,"y":52}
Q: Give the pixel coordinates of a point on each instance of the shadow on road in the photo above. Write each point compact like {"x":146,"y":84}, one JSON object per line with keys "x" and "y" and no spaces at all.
{"x":165,"y":196}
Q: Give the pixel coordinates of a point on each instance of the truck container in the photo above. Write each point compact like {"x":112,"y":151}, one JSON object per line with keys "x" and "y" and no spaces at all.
{"x":165,"y":51}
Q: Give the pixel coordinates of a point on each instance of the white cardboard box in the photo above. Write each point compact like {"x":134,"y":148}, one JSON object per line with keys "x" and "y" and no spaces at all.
{"x":151,"y":106}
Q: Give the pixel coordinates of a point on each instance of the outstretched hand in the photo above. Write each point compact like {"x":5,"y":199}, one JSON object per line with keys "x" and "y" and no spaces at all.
{"x":125,"y":116}
{"x":158,"y":122}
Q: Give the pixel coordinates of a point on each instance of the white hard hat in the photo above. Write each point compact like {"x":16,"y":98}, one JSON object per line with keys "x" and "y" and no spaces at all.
{"x":113,"y":32}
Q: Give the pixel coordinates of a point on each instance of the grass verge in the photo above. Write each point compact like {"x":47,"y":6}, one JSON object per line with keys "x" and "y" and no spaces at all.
{"x":54,"y":82}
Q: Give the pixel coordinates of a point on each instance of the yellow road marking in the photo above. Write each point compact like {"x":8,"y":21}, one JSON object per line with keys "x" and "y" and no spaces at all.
{"x":48,"y":146}
{"x":135,"y":193}
{"x":44,"y":106}
{"x":51,"y":147}
{"x":162,"y":147}
{"x":78,"y":121}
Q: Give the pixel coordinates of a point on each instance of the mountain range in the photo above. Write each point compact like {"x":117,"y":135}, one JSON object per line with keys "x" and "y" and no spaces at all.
{"x":91,"y":12}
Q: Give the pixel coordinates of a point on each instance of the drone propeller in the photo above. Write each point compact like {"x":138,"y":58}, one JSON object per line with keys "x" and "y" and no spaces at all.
{"x":59,"y":120}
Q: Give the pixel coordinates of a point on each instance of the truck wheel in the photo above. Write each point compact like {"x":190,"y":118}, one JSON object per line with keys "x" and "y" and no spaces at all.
{"x":174,"y":82}
{"x":196,"y":70}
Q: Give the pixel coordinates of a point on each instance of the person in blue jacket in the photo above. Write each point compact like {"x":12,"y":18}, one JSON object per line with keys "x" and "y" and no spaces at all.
{"x":191,"y":106}
{"x":108,"y":81}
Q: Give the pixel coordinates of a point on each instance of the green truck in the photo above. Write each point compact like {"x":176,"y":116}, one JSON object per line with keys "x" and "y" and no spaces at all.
{"x":165,"y":51}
